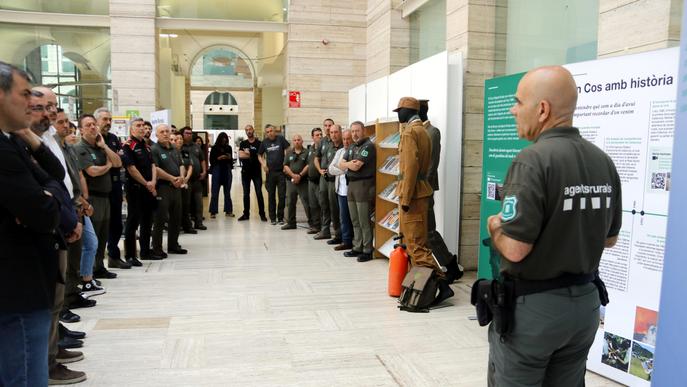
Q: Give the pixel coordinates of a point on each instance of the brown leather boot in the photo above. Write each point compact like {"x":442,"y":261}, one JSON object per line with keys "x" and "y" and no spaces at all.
{"x":65,"y":357}
{"x":61,"y":375}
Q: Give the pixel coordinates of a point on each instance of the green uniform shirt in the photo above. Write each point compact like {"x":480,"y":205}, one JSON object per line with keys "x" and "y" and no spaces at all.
{"x":90,"y":156}
{"x":196,"y":155}
{"x":561,"y":194}
{"x":326,"y":152}
{"x":365,"y":151}
{"x":313,"y":174}
{"x":168,"y":159}
{"x":296,"y":161}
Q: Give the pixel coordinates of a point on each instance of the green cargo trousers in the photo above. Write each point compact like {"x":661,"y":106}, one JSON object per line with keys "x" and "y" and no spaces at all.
{"x":551,"y":339}
{"x":293,"y":191}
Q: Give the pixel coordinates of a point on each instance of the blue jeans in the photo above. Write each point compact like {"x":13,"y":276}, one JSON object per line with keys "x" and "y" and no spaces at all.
{"x":346,"y":224}
{"x":90,"y":246}
{"x":24,"y":343}
{"x":221,"y":179}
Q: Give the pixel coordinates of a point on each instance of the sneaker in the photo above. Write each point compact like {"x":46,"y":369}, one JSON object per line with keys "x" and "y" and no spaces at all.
{"x":281,"y":222}
{"x":90,"y":289}
{"x":60,"y":375}
{"x":66,"y":357}
{"x":273,"y":223}
{"x":244,"y":217}
{"x":230,"y":214}
{"x":97,"y":282}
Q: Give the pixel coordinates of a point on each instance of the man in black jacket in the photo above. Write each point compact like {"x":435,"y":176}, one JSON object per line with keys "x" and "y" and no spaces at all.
{"x":30,"y":213}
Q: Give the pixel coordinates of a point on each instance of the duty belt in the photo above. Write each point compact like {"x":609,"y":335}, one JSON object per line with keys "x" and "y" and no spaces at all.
{"x":525,"y":287}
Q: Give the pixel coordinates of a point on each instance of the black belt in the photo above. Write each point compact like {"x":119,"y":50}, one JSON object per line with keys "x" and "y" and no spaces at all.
{"x":525,"y":287}
{"x":330,"y":179}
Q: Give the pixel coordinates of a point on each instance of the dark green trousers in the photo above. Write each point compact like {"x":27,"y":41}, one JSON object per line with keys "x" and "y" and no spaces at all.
{"x":101,"y":226}
{"x":293,"y":191}
{"x":550,"y":341}
{"x":168,"y":210}
{"x":314,"y":202}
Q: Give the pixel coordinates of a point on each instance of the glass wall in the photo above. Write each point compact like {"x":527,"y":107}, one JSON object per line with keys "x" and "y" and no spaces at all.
{"x":544,"y":32}
{"x":74,"y":61}
{"x":262,"y":10}
{"x":428,"y":30}
{"x":221,"y":67}
{"x":85,"y":7}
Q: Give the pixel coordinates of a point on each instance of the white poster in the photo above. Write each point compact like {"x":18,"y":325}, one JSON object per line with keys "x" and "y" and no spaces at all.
{"x":626,"y":106}
{"x":159,"y":117}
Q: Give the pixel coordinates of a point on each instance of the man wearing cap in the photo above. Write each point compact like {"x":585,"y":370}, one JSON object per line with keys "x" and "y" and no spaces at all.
{"x":414,"y":190}
{"x":434,"y":239}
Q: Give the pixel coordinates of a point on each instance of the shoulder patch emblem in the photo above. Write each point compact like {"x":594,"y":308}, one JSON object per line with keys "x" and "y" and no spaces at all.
{"x":510,"y":208}
{"x":364,"y":153}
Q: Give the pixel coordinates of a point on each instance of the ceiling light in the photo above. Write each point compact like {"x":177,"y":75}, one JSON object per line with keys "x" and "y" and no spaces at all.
{"x":168,"y":35}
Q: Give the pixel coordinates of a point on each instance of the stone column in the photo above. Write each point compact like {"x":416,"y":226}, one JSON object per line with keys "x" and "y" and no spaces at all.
{"x":134,"y":56}
{"x":388,"y":38}
{"x":476,"y":28}
{"x":627,"y":27}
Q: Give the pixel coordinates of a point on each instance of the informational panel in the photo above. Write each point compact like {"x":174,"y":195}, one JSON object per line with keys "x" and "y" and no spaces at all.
{"x":626,"y":106}
{"x":356,"y":104}
{"x":671,"y":341}
{"x":160,"y":117}
{"x":120,"y":126}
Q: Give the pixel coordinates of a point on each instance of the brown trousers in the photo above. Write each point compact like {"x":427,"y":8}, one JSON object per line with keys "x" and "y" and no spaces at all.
{"x":414,"y":229}
{"x":56,"y":309}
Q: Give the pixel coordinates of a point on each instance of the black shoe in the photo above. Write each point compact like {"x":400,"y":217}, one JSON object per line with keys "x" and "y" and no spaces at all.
{"x":177,"y":250}
{"x":364,"y":257}
{"x":68,"y":342}
{"x":244,"y":217}
{"x":313,"y":231}
{"x":445,"y":292}
{"x":334,"y":241}
{"x":343,"y":247}
{"x":118,"y":264}
{"x":351,"y":253}
{"x":190,"y":231}
{"x":288,"y":227}
{"x":97,"y":282}
{"x":281,"y":222}
{"x":67,"y":316}
{"x":104,"y":274}
{"x":159,"y":253}
{"x":152,"y":257}
{"x":65,"y":332}
{"x":135,"y":262}
{"x":90,"y":289}
{"x":82,"y":302}
{"x":200,"y":227}
{"x":273,"y":223}
{"x":263,"y":218}
{"x":320,"y":237}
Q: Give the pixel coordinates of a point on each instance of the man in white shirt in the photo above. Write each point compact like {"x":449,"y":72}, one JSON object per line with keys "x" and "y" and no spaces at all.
{"x":341,"y":189}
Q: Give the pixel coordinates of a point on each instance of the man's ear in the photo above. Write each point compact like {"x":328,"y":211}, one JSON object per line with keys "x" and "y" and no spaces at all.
{"x":544,"y":110}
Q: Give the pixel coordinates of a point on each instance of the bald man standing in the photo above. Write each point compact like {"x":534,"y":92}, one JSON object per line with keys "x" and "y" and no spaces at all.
{"x":551,"y":239}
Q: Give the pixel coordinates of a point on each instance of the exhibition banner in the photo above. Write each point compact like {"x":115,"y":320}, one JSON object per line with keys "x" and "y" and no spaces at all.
{"x":626,"y":106}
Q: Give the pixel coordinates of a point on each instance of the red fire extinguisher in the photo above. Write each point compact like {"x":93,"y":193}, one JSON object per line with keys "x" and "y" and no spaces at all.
{"x":398,"y":267}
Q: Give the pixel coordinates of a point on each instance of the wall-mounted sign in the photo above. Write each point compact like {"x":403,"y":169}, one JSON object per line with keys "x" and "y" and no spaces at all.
{"x":294,"y":99}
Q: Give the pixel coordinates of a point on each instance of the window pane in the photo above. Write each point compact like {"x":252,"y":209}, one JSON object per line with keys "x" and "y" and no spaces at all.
{"x":263,"y":10}
{"x":86,"y":7}
{"x":428,"y":30}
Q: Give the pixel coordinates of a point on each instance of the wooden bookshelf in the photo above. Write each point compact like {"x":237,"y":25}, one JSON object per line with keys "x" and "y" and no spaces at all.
{"x":383,"y":129}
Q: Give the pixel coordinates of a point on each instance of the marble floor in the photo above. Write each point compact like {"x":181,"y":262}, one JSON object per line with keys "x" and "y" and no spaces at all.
{"x":252,"y":305}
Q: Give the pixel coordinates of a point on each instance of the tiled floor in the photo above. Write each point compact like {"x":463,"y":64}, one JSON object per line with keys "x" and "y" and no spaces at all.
{"x":252,"y":305}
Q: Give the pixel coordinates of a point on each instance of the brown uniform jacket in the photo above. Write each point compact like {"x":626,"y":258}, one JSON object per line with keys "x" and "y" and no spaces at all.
{"x":435,"y":138}
{"x":415,"y":152}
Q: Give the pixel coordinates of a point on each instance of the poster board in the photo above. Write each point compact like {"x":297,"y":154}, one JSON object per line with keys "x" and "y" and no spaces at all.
{"x":626,"y":106}
{"x":120,"y":126}
{"x":159,"y":117}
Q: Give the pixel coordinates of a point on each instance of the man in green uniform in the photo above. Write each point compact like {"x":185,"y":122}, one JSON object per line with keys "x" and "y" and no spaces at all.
{"x":170,"y":173}
{"x":314,"y":183}
{"x":296,"y":170}
{"x":328,"y":200}
{"x":195,"y":185}
{"x":96,"y":159}
{"x":562,"y":206}
{"x":360,"y":163}
{"x":322,"y":197}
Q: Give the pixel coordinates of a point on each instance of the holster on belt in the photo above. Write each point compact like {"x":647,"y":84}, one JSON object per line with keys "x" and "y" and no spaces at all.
{"x":494,"y":302}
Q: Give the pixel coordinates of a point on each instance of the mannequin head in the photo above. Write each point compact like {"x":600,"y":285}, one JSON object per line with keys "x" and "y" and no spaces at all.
{"x":424,"y":108}
{"x":407,"y":108}
{"x":405,"y":114}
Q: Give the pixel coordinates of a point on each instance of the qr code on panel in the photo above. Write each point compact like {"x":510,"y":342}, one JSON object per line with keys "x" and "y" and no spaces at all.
{"x":491,"y":191}
{"x":658,"y":180}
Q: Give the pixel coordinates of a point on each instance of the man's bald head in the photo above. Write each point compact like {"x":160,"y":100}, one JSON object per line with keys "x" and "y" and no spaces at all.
{"x":297,"y":141}
{"x":546,"y":98}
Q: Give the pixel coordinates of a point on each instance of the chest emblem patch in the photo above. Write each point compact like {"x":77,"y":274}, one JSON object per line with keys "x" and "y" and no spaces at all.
{"x":510,"y":208}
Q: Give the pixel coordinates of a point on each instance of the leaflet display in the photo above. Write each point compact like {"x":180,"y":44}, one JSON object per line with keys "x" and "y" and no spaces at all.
{"x":626,"y":106}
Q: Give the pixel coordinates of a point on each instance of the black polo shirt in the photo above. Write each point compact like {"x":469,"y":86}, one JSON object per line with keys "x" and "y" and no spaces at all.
{"x":274,"y":152}
{"x":562,"y":194}
{"x":89,"y":156}
{"x":365,"y":151}
{"x":196,"y":155}
{"x":115,"y":145}
{"x":252,"y":164}
{"x":138,"y":154}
